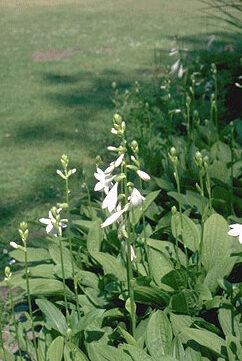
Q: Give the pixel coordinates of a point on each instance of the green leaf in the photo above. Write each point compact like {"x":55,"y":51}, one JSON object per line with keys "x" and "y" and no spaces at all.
{"x":159,"y":265}
{"x":95,"y":236}
{"x":42,"y":286}
{"x":220,"y":270}
{"x":34,"y":255}
{"x":110,"y":265}
{"x":100,"y":352}
{"x":42,"y":270}
{"x":152,"y":296}
{"x":219,"y":172}
{"x":190,"y":232}
{"x":136,"y":353}
{"x":186,"y":301}
{"x":164,"y":184}
{"x":216,"y":242}
{"x":192,"y":355}
{"x":135,"y":216}
{"x":205,"y":338}
{"x":55,"y":255}
{"x":167,"y":248}
{"x":87,"y":278}
{"x":177,"y":349}
{"x":54,"y":317}
{"x":55,"y":351}
{"x":158,"y":334}
{"x":178,"y":323}
{"x":73,"y":353}
{"x":128,"y":338}
{"x":220,"y":151}
{"x":230,"y":323}
{"x":176,"y":279}
{"x":88,"y":319}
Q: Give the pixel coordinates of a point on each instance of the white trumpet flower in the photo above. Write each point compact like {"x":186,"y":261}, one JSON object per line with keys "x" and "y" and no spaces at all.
{"x":49,"y":222}
{"x":111,"y":198}
{"x":114,"y":217}
{"x":143,"y":175}
{"x":104,"y":181}
{"x":236,"y":231}
{"x":136,"y":198}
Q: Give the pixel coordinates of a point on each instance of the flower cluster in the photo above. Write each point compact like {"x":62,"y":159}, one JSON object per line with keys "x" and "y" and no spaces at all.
{"x":54,"y":223}
{"x":121,"y":195}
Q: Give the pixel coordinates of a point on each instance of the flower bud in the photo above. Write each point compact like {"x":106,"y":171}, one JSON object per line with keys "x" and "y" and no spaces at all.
{"x":114,"y":84}
{"x":173,"y":151}
{"x":198,"y":159}
{"x":117,"y":119}
{"x":173,"y":210}
{"x":7,"y":272}
{"x":143,"y":175}
{"x":14,"y":245}
{"x":64,"y":161}
{"x":59,"y":172}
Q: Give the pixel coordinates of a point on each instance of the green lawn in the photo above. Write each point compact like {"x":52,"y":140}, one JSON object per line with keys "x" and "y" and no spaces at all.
{"x":58,"y":60}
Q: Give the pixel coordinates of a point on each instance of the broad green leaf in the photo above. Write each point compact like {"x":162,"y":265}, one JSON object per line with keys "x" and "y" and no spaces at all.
{"x":178,"y":323}
{"x":88,"y":319}
{"x":44,"y":341}
{"x":54,"y":316}
{"x":101,"y":352}
{"x":219,"y":270}
{"x":42,"y":286}
{"x":219,"y":171}
{"x":135,"y":216}
{"x":8,"y":355}
{"x":189,"y":232}
{"x":136,"y":353}
{"x":192,"y":355}
{"x":34,"y":255}
{"x":95,"y":236}
{"x":43,"y":270}
{"x":203,"y":291}
{"x":159,"y":265}
{"x":230,"y":323}
{"x":176,"y":279}
{"x":152,"y":296}
{"x":177,"y":349}
{"x":234,"y":348}
{"x":87,"y":278}
{"x":55,"y":351}
{"x":110,"y":264}
{"x":220,"y":151}
{"x":191,"y":199}
{"x":158,"y":334}
{"x":167,"y":248}
{"x":186,"y":301}
{"x":55,"y":255}
{"x":216,"y":242}
{"x":73,"y":353}
{"x":128,"y":338}
{"x":205,"y":338}
{"x":164,"y":184}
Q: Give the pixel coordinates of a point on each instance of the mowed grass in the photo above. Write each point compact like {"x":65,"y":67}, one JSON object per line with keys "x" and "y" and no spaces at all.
{"x":58,"y":60}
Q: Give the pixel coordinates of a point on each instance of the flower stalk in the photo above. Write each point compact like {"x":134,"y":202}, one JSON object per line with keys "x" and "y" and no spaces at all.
{"x":67,"y":173}
{"x":8,"y":275}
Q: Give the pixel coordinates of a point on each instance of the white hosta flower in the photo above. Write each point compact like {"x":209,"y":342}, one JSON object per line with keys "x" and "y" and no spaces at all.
{"x":111,"y":198}
{"x":49,"y":222}
{"x":175,"y":66}
{"x":14,"y":245}
{"x":104,"y":181}
{"x":143,"y":175}
{"x":173,"y":51}
{"x":180,"y":72}
{"x":136,"y":198}
{"x":118,"y":161}
{"x":114,"y":217}
{"x":236,"y":231}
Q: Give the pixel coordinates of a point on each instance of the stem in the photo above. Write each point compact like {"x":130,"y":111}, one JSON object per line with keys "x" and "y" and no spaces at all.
{"x":146,"y":248}
{"x":70,"y":248}
{"x":129,"y":263}
{"x":1,"y":340}
{"x":63,"y":277}
{"x":232,"y":172}
{"x":202,"y":220}
{"x":180,"y":211}
{"x":29,"y":299}
{"x":176,"y":245}
{"x":14,"y":319}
